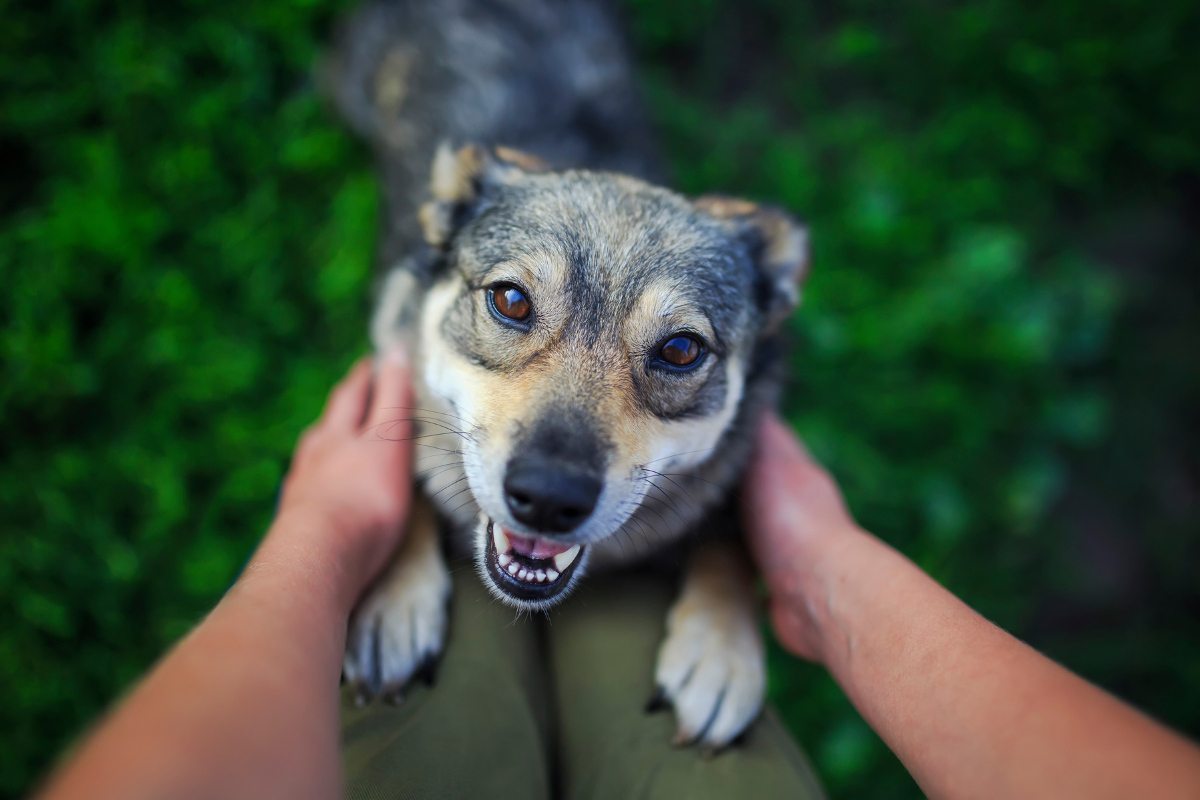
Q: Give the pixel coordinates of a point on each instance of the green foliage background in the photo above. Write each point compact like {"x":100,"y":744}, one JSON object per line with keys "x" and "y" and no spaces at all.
{"x":996,"y":353}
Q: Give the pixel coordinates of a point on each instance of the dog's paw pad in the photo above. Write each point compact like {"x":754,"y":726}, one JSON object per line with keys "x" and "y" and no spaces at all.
{"x":713,"y":673}
{"x":396,"y":635}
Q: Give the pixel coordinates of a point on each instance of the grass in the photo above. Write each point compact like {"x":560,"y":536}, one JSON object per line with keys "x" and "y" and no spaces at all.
{"x":994,"y":355}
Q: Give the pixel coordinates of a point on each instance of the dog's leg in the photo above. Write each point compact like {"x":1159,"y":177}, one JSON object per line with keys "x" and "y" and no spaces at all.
{"x":711,"y":666}
{"x":399,"y":627}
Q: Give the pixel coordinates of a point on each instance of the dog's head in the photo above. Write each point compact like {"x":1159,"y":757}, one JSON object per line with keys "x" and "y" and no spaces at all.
{"x":594,"y":331}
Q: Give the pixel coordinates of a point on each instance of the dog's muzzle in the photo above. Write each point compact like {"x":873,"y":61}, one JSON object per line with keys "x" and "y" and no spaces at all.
{"x":529,"y":568}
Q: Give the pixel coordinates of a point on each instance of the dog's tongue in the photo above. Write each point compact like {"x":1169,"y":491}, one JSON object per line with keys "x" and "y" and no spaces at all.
{"x":536,"y":547}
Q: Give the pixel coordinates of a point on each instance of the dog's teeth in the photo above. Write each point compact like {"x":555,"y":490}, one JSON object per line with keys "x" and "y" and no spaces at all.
{"x":566,"y":558}
{"x":500,"y":539}
{"x":509,"y":563}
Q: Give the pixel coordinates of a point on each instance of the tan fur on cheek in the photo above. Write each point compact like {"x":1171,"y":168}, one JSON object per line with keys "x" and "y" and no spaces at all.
{"x":644,"y":440}
{"x":683,"y":444}
{"x":503,"y":405}
{"x":488,"y":401}
{"x":439,"y":368}
{"x":447,"y":373}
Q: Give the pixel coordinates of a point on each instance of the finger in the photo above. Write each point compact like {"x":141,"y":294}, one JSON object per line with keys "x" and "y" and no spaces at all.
{"x":305,"y":443}
{"x":391,"y":410}
{"x":781,"y":458}
{"x":777,"y":441}
{"x":347,"y":402}
{"x":788,"y":493}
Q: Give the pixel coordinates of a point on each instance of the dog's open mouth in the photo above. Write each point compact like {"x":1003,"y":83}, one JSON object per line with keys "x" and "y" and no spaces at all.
{"x":529,"y":568}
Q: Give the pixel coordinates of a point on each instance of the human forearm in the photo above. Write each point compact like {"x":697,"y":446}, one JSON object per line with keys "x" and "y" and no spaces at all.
{"x":244,"y":706}
{"x":970,"y":710}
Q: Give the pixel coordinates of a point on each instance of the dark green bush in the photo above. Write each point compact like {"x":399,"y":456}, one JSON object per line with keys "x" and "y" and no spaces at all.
{"x":995,"y":354}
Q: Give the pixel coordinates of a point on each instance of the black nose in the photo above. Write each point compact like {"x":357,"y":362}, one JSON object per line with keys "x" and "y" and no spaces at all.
{"x":549,"y":496}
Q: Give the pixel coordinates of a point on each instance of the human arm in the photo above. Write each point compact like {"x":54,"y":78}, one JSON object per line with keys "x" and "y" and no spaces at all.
{"x":970,"y":710}
{"x":246,"y":704}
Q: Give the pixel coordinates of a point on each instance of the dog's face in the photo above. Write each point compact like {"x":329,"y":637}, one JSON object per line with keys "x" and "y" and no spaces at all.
{"x":594,"y":332}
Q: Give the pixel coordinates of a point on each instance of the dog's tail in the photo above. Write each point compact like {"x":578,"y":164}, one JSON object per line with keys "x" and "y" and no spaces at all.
{"x":550,"y":77}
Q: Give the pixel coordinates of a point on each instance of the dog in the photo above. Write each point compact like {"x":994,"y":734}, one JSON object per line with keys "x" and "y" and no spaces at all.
{"x":592,"y":351}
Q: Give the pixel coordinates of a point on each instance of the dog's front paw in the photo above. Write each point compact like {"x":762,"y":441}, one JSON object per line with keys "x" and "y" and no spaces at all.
{"x":396,"y":633}
{"x":711,"y":666}
{"x":398,"y":630}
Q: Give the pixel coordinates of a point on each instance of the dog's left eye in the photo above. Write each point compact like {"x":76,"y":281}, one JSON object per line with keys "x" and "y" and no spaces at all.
{"x":509,"y":302}
{"x":681,"y":351}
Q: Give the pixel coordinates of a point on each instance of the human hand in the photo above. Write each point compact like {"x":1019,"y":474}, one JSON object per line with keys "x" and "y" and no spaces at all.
{"x":794,"y":514}
{"x":244,"y":705}
{"x":349,"y":488}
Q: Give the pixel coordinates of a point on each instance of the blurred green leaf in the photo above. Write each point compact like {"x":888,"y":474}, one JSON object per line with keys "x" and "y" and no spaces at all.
{"x":995,"y":354}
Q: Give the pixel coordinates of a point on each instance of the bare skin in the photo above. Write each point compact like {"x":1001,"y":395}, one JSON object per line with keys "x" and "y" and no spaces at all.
{"x":970,"y":710}
{"x":246,"y":705}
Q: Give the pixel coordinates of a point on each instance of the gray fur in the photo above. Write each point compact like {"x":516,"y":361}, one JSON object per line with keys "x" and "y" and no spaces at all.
{"x":613,"y":266}
{"x":548,"y":77}
{"x":554,"y":79}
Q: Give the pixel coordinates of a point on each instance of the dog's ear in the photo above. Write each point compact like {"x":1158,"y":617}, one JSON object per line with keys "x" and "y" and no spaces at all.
{"x":460,"y":180}
{"x":778,"y":243}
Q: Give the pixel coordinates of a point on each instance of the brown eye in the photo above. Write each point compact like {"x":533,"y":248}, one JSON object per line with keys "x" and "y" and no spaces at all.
{"x":510,"y":302}
{"x":680,"y":351}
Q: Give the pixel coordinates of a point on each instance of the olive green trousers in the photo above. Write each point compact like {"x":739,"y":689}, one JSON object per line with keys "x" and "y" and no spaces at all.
{"x":554,"y":707}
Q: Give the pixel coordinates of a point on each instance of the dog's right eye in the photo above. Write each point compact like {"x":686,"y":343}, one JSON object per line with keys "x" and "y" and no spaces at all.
{"x":509,"y":302}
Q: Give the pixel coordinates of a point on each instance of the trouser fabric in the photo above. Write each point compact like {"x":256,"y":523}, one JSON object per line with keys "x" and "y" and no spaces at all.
{"x":533,"y":708}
